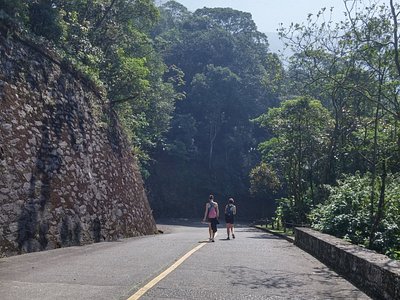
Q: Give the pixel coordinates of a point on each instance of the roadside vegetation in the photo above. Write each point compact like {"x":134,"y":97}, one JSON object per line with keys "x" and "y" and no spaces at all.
{"x":335,"y":146}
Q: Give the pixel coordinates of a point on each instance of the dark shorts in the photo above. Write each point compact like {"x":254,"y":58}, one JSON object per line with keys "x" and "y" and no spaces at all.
{"x":229,"y":219}
{"x":213,"y":222}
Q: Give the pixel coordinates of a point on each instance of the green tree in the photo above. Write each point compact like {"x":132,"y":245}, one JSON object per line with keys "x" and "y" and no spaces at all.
{"x":228,"y":72}
{"x":300,"y":129}
{"x":15,"y":9}
{"x":354,"y":68}
{"x":214,"y":96}
{"x":45,"y":19}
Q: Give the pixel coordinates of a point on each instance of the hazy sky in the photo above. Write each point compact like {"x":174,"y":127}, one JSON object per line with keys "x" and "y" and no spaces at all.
{"x":267,"y":14}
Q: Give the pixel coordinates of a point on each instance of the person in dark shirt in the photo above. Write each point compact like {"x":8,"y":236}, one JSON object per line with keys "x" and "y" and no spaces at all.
{"x":230,"y":212}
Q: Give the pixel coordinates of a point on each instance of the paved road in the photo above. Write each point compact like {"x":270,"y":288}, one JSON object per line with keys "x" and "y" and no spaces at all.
{"x":256,"y":265}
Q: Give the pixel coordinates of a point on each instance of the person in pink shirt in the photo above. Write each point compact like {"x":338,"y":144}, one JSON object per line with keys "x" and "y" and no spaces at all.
{"x":211,"y":215}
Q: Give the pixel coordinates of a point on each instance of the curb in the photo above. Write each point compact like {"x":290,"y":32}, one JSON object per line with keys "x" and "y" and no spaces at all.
{"x":288,"y":238}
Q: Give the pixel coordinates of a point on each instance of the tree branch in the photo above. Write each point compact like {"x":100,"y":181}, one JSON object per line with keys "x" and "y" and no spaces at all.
{"x":100,"y":22}
{"x":117,"y":101}
{"x":395,"y":37}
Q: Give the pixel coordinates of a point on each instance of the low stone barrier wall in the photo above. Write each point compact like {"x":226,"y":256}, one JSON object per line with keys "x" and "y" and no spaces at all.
{"x":375,"y":274}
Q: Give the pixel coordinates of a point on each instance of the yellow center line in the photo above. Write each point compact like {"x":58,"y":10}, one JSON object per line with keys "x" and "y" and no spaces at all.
{"x":160,"y":277}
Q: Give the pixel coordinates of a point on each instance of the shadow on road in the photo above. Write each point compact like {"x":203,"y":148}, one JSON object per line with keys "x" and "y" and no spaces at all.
{"x":265,"y":237}
{"x":196,"y":223}
{"x":251,"y":278}
{"x":181,"y":222}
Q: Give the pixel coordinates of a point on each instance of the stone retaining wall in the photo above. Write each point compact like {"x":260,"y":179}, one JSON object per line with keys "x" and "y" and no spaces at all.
{"x":67,"y":174}
{"x":375,"y":274}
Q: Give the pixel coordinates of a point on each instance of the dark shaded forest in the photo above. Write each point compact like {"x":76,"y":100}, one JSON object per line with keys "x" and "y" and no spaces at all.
{"x":208,"y":108}
{"x":211,"y":145}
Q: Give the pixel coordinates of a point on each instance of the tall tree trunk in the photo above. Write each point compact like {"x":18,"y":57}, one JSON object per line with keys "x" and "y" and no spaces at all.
{"x":89,"y":6}
{"x":373,"y":167}
{"x":381,"y":205}
{"x":375,"y":151}
{"x":312,"y":185}
{"x":395,"y":37}
{"x":213,"y":135}
{"x":330,"y":174}
{"x":299,"y":190}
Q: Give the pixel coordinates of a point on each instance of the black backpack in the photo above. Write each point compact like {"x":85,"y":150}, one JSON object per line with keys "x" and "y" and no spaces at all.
{"x":229,"y":210}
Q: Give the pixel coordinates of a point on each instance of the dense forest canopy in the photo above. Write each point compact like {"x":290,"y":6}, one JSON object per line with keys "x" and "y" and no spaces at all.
{"x":210,"y":146}
{"x":208,"y":108}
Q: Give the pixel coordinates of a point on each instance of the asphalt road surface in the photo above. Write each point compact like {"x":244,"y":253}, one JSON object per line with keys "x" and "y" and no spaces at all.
{"x":255,"y":265}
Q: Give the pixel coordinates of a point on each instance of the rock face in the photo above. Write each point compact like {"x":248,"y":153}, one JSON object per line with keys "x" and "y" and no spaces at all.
{"x":66,"y":177}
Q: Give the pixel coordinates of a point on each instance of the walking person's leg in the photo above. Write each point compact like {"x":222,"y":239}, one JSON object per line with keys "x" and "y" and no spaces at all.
{"x":213,"y":228}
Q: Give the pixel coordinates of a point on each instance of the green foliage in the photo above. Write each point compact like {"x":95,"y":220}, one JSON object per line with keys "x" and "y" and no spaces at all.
{"x":225,"y":62}
{"x":346,"y":213}
{"x":285,"y":212}
{"x":110,"y":42}
{"x":172,"y":14}
{"x":15,"y":8}
{"x":232,"y":21}
{"x":263,"y":180}
{"x":300,"y":129}
{"x":352,"y":67}
{"x":45,"y":20}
